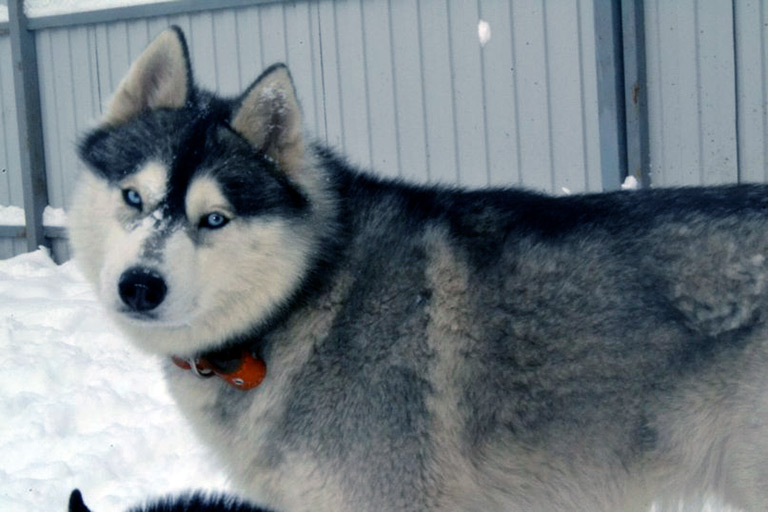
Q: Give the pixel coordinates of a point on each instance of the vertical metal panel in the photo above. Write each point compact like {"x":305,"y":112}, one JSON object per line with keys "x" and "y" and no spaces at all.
{"x":271,"y":31}
{"x":29,"y":120}
{"x":691,"y":92}
{"x":566,"y":95}
{"x":11,"y":191}
{"x":353,"y":92}
{"x":717,"y":83}
{"x":249,"y":47}
{"x":224,"y":43}
{"x":137,"y":32}
{"x":595,"y":170}
{"x":303,"y":57}
{"x":468,"y":94}
{"x":113,"y":57}
{"x":67,"y":104}
{"x":408,"y":89}
{"x":529,"y":47}
{"x":751,"y":22}
{"x":501,"y":93}
{"x":202,"y":51}
{"x":438,"y":98}
{"x":635,"y":91}
{"x":330,"y":80}
{"x":379,"y":83}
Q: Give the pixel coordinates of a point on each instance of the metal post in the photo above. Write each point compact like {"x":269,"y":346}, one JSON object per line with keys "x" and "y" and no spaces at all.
{"x":29,"y":119}
{"x":610,"y":89}
{"x":636,"y":90}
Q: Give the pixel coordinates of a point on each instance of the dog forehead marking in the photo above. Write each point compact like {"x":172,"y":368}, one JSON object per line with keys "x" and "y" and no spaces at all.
{"x":205,"y":196}
{"x":151,"y":181}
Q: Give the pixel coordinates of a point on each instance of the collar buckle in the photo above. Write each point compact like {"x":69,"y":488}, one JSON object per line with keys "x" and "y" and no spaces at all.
{"x":248,"y":374}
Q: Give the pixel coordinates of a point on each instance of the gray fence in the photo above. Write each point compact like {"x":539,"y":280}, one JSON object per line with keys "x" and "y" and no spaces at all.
{"x":707,"y":85}
{"x":565,"y":95}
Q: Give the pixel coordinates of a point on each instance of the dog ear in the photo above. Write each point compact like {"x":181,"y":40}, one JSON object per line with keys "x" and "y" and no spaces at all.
{"x":76,"y":503}
{"x":269,"y":117}
{"x":160,"y":78}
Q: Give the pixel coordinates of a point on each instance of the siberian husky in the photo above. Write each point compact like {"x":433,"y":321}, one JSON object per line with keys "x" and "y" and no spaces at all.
{"x":349,"y":343}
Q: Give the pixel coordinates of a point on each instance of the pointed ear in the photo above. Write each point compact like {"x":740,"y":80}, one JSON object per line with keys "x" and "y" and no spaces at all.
{"x":76,"y":503}
{"x":160,"y":78}
{"x":269,"y":117}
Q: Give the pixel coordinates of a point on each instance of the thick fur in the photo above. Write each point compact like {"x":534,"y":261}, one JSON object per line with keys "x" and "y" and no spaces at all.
{"x":429,"y":348}
{"x":193,"y":502}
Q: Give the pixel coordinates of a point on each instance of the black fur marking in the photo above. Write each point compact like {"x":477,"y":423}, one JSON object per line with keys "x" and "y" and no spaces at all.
{"x":271,"y":69}
{"x":76,"y":503}
{"x":191,"y":502}
{"x":198,"y":502}
{"x":191,"y":91}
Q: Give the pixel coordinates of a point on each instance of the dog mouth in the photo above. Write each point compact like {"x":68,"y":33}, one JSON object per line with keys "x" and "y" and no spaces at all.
{"x":149,"y":319}
{"x":139,"y":317}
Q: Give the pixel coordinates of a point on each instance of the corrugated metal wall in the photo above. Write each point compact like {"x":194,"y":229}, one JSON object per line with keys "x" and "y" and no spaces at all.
{"x":751,"y":37}
{"x":11,"y":193}
{"x":707,"y":83}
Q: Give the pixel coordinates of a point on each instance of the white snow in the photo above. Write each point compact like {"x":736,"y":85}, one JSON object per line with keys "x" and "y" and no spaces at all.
{"x":54,"y":217}
{"x":11,"y":216}
{"x":79,"y":406}
{"x":3,"y":13}
{"x":630,"y":183}
{"x":14,"y":216}
{"x":483,"y":32}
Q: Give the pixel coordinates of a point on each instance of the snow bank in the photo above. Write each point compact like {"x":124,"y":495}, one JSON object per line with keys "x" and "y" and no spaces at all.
{"x":11,"y":216}
{"x":79,"y":406}
{"x":14,"y":216}
{"x":630,"y":183}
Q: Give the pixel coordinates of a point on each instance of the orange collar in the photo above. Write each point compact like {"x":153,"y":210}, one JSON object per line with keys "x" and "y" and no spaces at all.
{"x":246,"y":373}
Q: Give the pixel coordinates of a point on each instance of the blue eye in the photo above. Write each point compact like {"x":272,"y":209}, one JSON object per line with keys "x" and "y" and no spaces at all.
{"x":213,"y":220}
{"x":132,"y":198}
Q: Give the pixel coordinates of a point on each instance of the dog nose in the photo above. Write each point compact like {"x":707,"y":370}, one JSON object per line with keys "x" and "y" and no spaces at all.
{"x":142,"y":289}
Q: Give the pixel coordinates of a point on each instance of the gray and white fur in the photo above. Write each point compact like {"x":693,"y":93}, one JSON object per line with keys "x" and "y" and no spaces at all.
{"x":427,"y":348}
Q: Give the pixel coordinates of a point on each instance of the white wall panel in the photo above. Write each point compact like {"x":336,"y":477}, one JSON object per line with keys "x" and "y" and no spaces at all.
{"x":11,"y":192}
{"x":533,"y":115}
{"x":439,"y":109}
{"x":379,"y":84}
{"x":303,"y":57}
{"x":409,"y":90}
{"x":501,"y":94}
{"x":751,"y":20}
{"x":468,"y":94}
{"x":691,"y":92}
{"x":352,"y":90}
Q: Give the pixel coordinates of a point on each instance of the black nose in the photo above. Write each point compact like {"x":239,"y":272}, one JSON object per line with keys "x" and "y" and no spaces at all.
{"x":142,"y":289}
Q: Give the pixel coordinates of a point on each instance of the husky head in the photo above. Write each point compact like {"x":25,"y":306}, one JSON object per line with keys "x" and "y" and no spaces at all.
{"x":198,"y":215}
